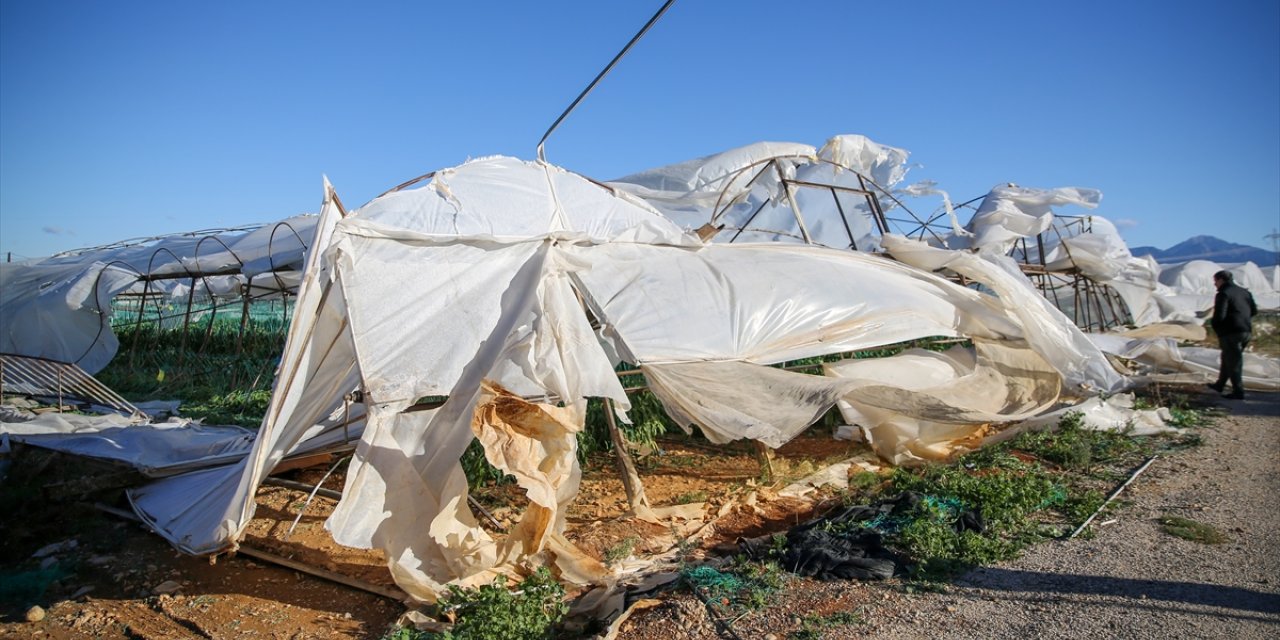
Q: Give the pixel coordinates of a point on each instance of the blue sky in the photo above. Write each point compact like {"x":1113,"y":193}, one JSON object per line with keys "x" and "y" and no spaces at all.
{"x":123,"y":119}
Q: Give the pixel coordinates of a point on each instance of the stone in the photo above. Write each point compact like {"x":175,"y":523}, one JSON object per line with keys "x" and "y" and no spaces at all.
{"x":35,"y":614}
{"x":165,"y":588}
{"x":57,"y":547}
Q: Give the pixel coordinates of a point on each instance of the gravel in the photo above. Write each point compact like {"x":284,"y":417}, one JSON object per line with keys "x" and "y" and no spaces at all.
{"x":1129,"y":580}
{"x":1132,"y":580}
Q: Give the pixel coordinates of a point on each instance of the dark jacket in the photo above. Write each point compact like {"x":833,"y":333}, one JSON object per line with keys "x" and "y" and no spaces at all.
{"x":1233,"y":310}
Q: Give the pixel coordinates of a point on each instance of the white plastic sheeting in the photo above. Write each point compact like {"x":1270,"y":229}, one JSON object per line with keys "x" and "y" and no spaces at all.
{"x":155,"y":450}
{"x":1009,"y":213}
{"x":1166,"y":361}
{"x":60,"y":313}
{"x":485,"y":277}
{"x":1082,"y":365}
{"x":1192,"y":283}
{"x":924,"y":405}
{"x":1111,"y":413}
{"x":1102,"y":256}
{"x":742,"y":190}
{"x":59,"y":307}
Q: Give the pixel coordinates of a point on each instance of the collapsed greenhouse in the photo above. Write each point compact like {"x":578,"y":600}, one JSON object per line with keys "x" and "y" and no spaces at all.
{"x":491,"y":300}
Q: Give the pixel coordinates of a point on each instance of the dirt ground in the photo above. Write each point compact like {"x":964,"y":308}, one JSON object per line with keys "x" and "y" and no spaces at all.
{"x":1128,"y":580}
{"x":108,"y":577}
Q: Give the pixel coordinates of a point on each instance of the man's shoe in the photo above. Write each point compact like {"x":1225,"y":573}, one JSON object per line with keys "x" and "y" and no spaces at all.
{"x":1216,"y":387}
{"x":1233,"y":396}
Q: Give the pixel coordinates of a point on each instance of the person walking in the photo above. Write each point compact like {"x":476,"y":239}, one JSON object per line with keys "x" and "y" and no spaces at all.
{"x":1233,"y":311}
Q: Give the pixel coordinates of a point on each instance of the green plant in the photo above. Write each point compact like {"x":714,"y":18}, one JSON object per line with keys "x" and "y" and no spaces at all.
{"x":621,"y":551}
{"x":1072,"y":446}
{"x":479,"y":472}
{"x":221,"y":373}
{"x":1191,"y":530}
{"x":649,"y":421}
{"x":814,"y":626}
{"x":1081,"y":505}
{"x":492,"y":612}
{"x":690,"y":497}
{"x":408,"y":633}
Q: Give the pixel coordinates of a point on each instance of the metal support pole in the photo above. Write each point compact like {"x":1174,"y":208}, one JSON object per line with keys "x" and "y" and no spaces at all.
{"x":626,"y":468}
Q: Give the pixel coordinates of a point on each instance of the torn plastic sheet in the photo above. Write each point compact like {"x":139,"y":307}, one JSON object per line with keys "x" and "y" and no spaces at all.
{"x":1049,"y":332}
{"x":1113,"y":413}
{"x":205,"y":512}
{"x":925,"y":405}
{"x":1170,"y":363}
{"x":155,"y":450}
{"x":61,"y":312}
{"x":702,"y":182}
{"x":769,"y":303}
{"x":742,"y":190}
{"x":1010,"y":212}
{"x":735,"y":400}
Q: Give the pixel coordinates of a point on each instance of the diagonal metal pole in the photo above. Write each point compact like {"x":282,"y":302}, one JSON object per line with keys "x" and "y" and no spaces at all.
{"x":607,"y":69}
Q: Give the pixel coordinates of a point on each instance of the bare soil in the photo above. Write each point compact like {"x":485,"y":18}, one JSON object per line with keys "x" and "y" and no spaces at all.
{"x":1126,"y":578}
{"x":1129,"y":580}
{"x":121,"y":581}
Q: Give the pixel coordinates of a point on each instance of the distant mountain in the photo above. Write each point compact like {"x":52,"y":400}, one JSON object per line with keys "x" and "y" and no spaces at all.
{"x":1212,"y":249}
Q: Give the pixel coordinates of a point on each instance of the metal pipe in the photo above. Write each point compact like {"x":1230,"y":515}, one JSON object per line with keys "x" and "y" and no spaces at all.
{"x":541,"y":155}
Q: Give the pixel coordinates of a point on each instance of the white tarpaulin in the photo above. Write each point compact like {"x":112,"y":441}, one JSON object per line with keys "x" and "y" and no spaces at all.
{"x":1010,"y":212}
{"x":59,"y":307}
{"x":155,"y":450}
{"x":743,"y":191}
{"x":490,"y":277}
{"x":1050,"y":334}
{"x":924,"y":405}
{"x":1168,"y":362}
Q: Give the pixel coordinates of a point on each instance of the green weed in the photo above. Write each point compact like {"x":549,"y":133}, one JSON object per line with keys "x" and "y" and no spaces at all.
{"x":814,"y":627}
{"x":492,"y":612}
{"x":1191,"y":530}
{"x":621,"y":551}
{"x":690,"y":497}
{"x":1072,"y":446}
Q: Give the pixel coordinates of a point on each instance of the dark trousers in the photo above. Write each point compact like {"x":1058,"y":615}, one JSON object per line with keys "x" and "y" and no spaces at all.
{"x":1232,"y":367}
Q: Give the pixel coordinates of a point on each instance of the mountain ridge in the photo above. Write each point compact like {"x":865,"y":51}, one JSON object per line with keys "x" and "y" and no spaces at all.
{"x":1206,"y":247}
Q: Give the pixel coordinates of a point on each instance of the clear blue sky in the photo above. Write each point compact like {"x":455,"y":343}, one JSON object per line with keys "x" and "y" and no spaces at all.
{"x":122,"y":119}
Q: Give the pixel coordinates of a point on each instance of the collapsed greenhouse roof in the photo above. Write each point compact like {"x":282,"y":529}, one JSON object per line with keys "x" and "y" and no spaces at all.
{"x":515,"y":288}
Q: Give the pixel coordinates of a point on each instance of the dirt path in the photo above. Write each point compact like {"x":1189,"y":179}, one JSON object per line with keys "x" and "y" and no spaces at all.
{"x":1130,"y":580}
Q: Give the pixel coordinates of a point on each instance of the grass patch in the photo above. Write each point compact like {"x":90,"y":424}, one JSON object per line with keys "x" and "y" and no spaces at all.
{"x":690,"y":497}
{"x":815,"y":627}
{"x":1191,"y":530}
